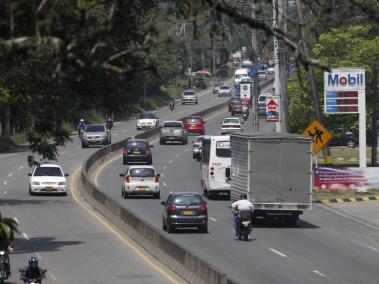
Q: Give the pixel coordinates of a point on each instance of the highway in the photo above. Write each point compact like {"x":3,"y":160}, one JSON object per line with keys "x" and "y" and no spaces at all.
{"x":72,"y":244}
{"x":323,"y":248}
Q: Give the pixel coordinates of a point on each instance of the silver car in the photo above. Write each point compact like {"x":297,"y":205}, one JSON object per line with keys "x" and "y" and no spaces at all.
{"x":173,"y":131}
{"x":262,"y":75}
{"x":196,"y":147}
{"x":225,"y":90}
{"x":95,"y":135}
{"x":189,"y":96}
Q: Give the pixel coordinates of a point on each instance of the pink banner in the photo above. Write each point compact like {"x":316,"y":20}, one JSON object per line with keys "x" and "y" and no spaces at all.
{"x":346,"y":178}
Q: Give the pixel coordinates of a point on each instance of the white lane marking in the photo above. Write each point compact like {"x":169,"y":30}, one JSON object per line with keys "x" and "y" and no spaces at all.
{"x":53,"y":276}
{"x":7,"y":205}
{"x":116,"y":134}
{"x":165,"y":167}
{"x":164,"y":184}
{"x":213,"y":219}
{"x":124,"y":131}
{"x":319,"y":273}
{"x":204,"y":94}
{"x":11,"y":174}
{"x":20,"y":167}
{"x":162,"y":175}
{"x":39,"y":256}
{"x":373,"y":248}
{"x":17,"y":221}
{"x":277,"y":252}
{"x":178,"y":155}
{"x":185,"y":150}
{"x":170,"y":161}
{"x":5,"y":182}
{"x":25,"y":235}
{"x":5,"y":192}
{"x":64,"y":152}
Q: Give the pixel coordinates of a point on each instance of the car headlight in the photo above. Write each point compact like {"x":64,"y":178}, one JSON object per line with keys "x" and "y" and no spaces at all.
{"x":35,"y":183}
{"x":62,"y":183}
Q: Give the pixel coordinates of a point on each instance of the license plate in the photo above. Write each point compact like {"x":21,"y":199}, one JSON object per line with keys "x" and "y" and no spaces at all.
{"x":48,"y":188}
{"x":187,"y":212}
{"x":136,"y":152}
{"x":93,"y":140}
{"x":171,"y":137}
{"x":245,"y":223}
{"x":142,"y":188}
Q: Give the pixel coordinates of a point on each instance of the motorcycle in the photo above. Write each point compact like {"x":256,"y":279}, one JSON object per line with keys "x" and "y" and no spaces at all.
{"x":109,"y":124}
{"x":245,"y":116}
{"x":34,"y":280}
{"x":4,"y":262}
{"x":172,"y":106}
{"x":80,"y":132}
{"x":243,"y":224}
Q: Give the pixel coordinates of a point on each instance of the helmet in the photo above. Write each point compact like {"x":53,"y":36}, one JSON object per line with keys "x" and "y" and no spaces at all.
{"x":81,"y":120}
{"x":243,"y":196}
{"x":33,"y":262}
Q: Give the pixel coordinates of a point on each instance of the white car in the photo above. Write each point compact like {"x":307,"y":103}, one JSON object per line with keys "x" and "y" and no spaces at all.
{"x":271,"y":70}
{"x":231,"y":124}
{"x":140,"y":180}
{"x":224,"y":90}
{"x":262,"y":75}
{"x":147,"y":120}
{"x":47,"y":178}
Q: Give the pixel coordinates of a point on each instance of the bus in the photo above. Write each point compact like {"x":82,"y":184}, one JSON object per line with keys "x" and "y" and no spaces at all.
{"x":215,"y":159}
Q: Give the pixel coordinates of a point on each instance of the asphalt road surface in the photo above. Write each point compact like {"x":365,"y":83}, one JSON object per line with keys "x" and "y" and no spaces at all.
{"x":325,"y":247}
{"x":69,"y":242}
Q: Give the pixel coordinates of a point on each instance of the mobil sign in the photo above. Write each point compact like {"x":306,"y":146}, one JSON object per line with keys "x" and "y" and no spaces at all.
{"x":343,"y":79}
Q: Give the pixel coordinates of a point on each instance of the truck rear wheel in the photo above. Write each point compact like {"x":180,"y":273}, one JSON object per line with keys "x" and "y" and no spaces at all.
{"x":292,"y":220}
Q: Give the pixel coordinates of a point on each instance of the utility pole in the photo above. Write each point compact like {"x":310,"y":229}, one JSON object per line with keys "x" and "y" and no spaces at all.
{"x":254,"y":45}
{"x":276,"y":59}
{"x":283,"y":76}
{"x":374,"y":87}
{"x":311,"y":78}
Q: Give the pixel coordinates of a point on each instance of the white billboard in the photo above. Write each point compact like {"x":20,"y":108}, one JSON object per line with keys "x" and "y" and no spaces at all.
{"x":344,"y":79}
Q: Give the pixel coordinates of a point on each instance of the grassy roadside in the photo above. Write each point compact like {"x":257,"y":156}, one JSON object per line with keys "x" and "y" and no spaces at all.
{"x":343,"y":156}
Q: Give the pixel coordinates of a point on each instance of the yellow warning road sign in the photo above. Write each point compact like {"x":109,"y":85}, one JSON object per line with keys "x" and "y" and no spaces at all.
{"x":320,"y":135}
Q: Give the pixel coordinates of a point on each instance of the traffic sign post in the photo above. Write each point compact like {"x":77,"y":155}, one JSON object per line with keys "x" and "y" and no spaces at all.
{"x":320,"y":135}
{"x":345,"y":93}
{"x":272,"y":109}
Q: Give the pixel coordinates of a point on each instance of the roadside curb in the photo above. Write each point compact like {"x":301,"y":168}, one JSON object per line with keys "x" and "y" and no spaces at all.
{"x":351,"y":199}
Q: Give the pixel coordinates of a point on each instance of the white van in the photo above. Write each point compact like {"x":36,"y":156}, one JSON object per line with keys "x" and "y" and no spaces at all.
{"x":215,"y":158}
{"x":239,"y":73}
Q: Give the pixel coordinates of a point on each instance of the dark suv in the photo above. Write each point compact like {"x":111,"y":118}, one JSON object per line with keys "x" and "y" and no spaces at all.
{"x":344,"y":138}
{"x":185,"y":209}
{"x":137,"y":151}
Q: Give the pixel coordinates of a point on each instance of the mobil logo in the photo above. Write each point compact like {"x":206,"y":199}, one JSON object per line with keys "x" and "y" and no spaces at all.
{"x":345,"y":79}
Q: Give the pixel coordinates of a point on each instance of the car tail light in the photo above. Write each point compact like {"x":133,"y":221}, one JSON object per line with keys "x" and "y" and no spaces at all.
{"x":147,"y":151}
{"x":237,"y":126}
{"x":156,"y":178}
{"x":203,"y":208}
{"x":127,"y":179}
{"x":125,"y":152}
{"x":172,"y":208}
{"x":302,"y":206}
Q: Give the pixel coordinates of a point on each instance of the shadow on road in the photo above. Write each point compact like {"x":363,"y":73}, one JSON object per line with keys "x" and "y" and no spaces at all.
{"x":42,"y":244}
{"x":32,"y":201}
{"x":277,"y":223}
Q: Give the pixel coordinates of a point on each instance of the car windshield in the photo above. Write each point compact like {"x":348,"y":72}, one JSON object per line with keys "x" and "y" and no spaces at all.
{"x":262,"y":72}
{"x":95,"y":128}
{"x":172,"y":124}
{"x":146,"y":116}
{"x":231,"y":121}
{"x":192,"y":120}
{"x":262,"y":98}
{"x":48,"y":171}
{"x":187,"y":200}
{"x":142,"y":172}
{"x":189,"y":93}
{"x":237,"y":76}
{"x":223,"y":149}
{"x":136,"y":144}
{"x":235,"y":100}
{"x":224,"y":87}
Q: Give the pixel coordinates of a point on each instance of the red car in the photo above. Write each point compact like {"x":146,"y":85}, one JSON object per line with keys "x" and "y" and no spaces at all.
{"x":194,"y":124}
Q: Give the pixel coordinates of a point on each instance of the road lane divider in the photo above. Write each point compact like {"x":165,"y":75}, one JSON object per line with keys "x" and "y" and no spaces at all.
{"x":182,"y":261}
{"x":278,"y":252}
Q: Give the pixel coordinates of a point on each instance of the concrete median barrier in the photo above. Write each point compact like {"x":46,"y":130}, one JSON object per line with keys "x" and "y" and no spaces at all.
{"x":182,"y":261}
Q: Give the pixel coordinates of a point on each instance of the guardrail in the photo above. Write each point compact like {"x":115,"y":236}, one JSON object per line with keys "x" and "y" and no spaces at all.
{"x":189,"y":266}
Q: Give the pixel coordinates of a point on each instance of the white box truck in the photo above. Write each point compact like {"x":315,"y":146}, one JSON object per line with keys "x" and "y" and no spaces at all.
{"x":275,"y":171}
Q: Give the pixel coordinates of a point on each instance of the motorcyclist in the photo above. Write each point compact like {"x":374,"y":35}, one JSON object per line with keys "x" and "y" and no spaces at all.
{"x":238,"y":206}
{"x":109,"y":117}
{"x":7,"y":248}
{"x":171,"y":103}
{"x":32,"y":271}
{"x":81,"y":125}
{"x":245,"y":108}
